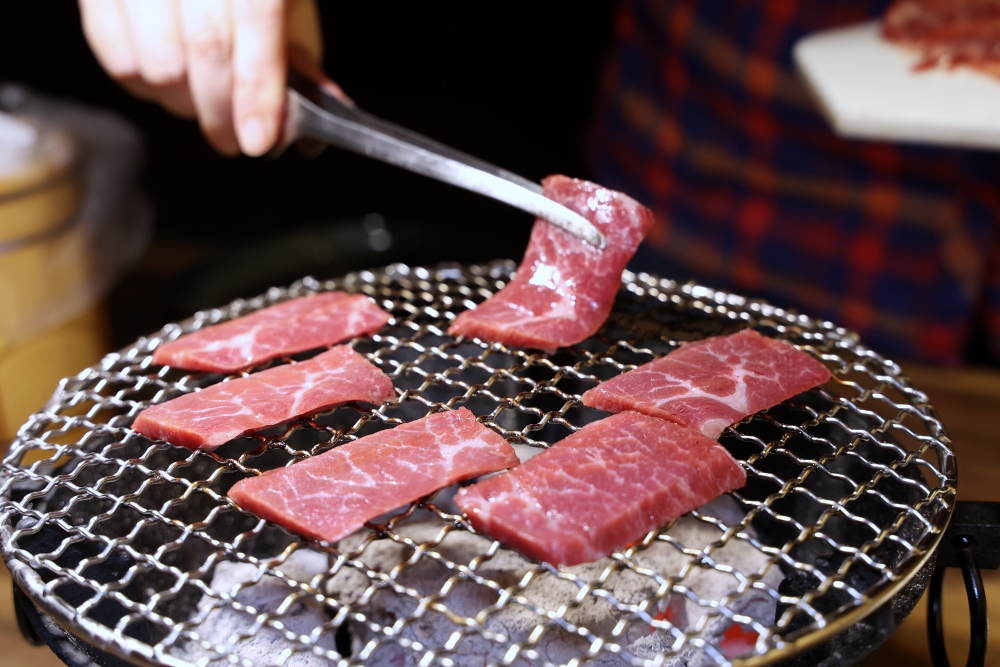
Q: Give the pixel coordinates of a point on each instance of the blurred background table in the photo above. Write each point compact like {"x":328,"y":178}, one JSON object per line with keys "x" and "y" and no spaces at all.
{"x":968,"y":401}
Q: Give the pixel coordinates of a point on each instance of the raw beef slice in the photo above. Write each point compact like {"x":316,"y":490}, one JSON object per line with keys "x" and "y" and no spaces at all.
{"x":947,"y":33}
{"x":330,"y":496}
{"x":564,"y":288}
{"x":601,"y":489}
{"x":208,"y":418}
{"x":713,"y":383}
{"x":276,"y":331}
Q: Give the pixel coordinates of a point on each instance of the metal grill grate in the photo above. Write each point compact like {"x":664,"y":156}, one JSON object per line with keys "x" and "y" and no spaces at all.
{"x":135,"y":547}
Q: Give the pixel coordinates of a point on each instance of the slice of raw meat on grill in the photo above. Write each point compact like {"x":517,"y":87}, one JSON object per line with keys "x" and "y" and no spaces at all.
{"x":713,"y":383}
{"x":223,"y":411}
{"x":600,"y":489}
{"x":330,"y":496}
{"x":276,"y":331}
{"x":564,"y":288}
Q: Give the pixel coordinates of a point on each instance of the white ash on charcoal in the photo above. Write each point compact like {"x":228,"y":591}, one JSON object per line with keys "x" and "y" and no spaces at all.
{"x":265,"y":646}
{"x":515,"y":621}
{"x":512,"y":622}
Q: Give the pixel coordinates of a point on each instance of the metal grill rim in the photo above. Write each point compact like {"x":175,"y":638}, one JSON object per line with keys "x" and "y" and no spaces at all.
{"x":423,"y":301}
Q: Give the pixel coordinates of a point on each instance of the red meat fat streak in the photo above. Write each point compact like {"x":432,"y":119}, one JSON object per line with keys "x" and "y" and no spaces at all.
{"x":215,"y":415}
{"x":601,"y":489}
{"x":713,"y":383}
{"x":564,"y":288}
{"x":285,"y":328}
{"x":948,"y":33}
{"x":329,"y":496}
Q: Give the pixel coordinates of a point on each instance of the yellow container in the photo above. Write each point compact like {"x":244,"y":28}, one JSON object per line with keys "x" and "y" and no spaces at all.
{"x":30,"y":372}
{"x":47,"y":331}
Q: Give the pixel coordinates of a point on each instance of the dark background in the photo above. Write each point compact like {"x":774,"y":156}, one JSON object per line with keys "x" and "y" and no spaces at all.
{"x":513,"y":83}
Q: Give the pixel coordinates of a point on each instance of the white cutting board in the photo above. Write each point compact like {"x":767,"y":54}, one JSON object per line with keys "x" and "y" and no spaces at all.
{"x":868,"y":89}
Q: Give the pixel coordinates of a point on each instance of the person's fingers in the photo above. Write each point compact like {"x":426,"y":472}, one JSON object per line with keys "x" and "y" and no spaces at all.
{"x":153,"y":26}
{"x":302,"y":62}
{"x":104,"y":26}
{"x":208,"y":44}
{"x":305,"y":45}
{"x":222,"y":60}
{"x":258,"y":73}
{"x":303,"y":28}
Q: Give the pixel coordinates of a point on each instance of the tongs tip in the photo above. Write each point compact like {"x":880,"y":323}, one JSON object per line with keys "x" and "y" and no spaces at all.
{"x":595,"y":239}
{"x":312,"y":113}
{"x":569,"y":221}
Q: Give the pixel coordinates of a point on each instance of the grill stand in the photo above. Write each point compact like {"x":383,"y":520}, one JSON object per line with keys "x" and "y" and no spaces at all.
{"x":38,"y":629}
{"x":972,"y":541}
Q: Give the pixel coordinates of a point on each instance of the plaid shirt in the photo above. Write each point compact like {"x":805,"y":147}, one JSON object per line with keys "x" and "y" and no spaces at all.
{"x":703,"y":118}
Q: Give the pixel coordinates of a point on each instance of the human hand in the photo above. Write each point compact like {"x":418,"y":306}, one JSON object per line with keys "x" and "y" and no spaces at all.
{"x":222,"y":61}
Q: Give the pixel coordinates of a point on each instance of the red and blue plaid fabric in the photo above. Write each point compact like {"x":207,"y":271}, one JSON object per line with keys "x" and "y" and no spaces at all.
{"x":703,"y":118}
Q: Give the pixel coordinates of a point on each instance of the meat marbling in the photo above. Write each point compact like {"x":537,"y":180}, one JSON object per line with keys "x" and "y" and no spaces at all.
{"x":564,"y":288}
{"x":948,"y":33}
{"x":330,"y":496}
{"x":601,"y":488}
{"x":713,"y":383}
{"x":279,"y":330}
{"x":208,"y":418}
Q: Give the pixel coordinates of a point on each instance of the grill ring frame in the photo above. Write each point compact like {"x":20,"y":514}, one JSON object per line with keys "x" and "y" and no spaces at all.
{"x":646,"y":288}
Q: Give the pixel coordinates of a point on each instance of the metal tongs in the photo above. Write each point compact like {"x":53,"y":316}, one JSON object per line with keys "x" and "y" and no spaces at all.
{"x":312,"y":113}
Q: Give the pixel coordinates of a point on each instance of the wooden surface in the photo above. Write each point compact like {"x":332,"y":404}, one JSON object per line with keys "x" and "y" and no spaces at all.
{"x":968,"y":402}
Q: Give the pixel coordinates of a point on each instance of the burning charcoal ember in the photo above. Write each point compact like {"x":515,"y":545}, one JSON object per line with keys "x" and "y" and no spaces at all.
{"x":234,"y":630}
{"x":731,"y":640}
{"x":515,"y":620}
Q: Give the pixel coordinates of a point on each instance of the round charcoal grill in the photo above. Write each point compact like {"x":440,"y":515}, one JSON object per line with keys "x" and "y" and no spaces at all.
{"x":133,"y":546}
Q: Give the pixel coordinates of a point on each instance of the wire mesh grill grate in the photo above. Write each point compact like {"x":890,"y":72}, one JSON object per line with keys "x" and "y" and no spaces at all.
{"x":134,"y":545}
